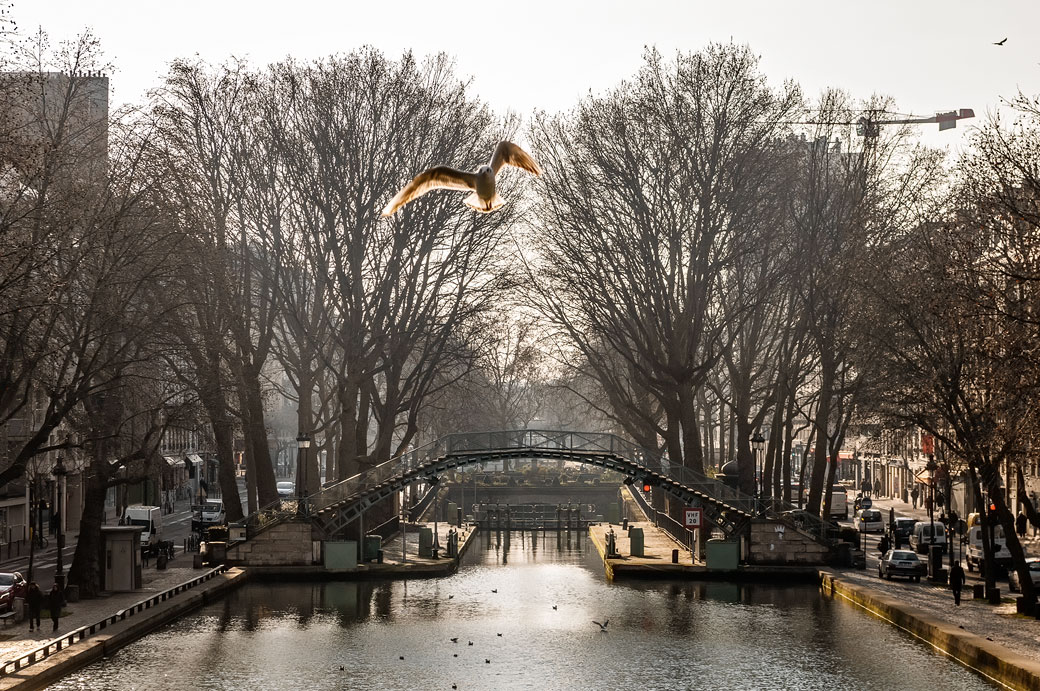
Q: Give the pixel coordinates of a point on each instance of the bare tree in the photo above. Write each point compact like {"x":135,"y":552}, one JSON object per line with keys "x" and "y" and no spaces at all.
{"x":650,"y":195}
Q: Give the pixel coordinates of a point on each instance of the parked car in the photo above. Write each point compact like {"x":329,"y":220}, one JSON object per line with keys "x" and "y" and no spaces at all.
{"x":901,"y":562}
{"x":1015,"y":585}
{"x":12,"y":585}
{"x":869,"y":521}
{"x":286,"y":489}
{"x":901,"y":531}
{"x":922,"y":536}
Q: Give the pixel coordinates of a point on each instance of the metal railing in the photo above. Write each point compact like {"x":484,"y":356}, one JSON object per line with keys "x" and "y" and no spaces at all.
{"x":553,"y":444}
{"x":56,"y":645}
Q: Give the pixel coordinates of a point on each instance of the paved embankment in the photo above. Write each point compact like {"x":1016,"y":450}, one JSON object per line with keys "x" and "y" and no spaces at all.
{"x":656,"y":562}
{"x":1016,"y":669}
{"x":396,"y":564}
{"x":119,"y":632}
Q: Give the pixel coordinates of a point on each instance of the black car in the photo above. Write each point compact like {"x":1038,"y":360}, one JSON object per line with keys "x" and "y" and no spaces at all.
{"x":902,"y":529}
{"x":901,"y":562}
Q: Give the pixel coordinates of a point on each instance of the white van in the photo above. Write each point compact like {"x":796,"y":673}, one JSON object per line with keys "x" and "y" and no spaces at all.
{"x":975,"y":556}
{"x":839,"y":504}
{"x":150,"y":520}
{"x":207,"y":514}
{"x":921,"y":536}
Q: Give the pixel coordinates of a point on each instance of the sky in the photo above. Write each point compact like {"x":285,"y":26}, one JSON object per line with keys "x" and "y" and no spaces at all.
{"x":546,"y":54}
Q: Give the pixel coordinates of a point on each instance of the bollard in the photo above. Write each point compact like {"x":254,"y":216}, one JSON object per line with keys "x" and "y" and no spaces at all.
{"x":978,"y":591}
{"x":993,"y":596}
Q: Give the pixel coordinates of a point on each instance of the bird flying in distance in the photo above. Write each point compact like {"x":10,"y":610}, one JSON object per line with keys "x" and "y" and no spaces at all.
{"x":1000,"y":42}
{"x":481,"y":183}
{"x":603,"y":626}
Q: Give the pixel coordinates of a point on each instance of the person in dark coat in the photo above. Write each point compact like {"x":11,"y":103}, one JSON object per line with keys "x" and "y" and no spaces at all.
{"x":914,"y":494}
{"x":884,"y":544}
{"x":34,"y":602}
{"x":956,"y":581}
{"x":1020,"y":524}
{"x":55,"y":601}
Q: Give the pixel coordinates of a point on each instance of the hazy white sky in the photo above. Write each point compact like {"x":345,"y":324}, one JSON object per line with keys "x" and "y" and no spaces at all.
{"x":545,"y":54}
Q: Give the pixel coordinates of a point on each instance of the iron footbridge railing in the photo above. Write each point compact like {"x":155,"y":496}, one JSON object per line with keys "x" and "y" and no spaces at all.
{"x":339,"y":504}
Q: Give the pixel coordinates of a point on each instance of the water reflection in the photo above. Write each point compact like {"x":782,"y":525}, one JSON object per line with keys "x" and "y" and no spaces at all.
{"x":397,"y":635}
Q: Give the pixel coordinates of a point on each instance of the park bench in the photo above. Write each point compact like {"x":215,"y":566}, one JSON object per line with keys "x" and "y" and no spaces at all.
{"x":7,"y":618}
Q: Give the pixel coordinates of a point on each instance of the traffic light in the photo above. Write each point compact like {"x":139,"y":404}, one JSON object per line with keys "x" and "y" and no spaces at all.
{"x":647,"y":486}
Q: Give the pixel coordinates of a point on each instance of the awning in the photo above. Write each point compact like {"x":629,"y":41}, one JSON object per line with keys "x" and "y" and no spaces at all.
{"x":195,"y":458}
{"x":173,"y":462}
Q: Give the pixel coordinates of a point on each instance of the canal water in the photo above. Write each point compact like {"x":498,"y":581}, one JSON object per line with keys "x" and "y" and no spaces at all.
{"x":522,"y":609}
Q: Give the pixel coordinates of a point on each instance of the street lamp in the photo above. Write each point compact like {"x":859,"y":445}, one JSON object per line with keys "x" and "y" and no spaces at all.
{"x":757,"y":444}
{"x":303,"y":442}
{"x":930,"y":466}
{"x":59,"y":473}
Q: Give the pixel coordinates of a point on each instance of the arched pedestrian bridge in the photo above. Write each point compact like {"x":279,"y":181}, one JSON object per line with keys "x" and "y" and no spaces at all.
{"x":340,"y":504}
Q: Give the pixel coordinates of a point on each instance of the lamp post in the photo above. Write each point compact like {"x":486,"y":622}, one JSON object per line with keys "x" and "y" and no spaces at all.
{"x":303,"y":442}
{"x":757,"y":444}
{"x":59,"y":473}
{"x":930,"y":466}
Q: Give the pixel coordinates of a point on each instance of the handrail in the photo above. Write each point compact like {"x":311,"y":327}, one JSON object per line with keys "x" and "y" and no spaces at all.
{"x":654,"y":466}
{"x":83,"y":632}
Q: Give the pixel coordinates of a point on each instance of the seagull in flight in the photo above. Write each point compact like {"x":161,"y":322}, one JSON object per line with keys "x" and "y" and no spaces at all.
{"x":481,"y":183}
{"x":603,"y":626}
{"x":1000,"y":42}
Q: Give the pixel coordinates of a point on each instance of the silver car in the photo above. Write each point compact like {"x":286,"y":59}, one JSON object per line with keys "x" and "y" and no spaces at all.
{"x":901,"y":562}
{"x":1034,"y":572}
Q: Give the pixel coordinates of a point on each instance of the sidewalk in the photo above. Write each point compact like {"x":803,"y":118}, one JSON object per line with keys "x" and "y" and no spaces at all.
{"x":15,"y":638}
{"x":999,"y":623}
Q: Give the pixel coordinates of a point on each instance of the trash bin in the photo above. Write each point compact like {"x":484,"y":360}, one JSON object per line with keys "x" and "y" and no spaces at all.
{"x":675,"y":556}
{"x":161,"y":560}
{"x":72,"y":593}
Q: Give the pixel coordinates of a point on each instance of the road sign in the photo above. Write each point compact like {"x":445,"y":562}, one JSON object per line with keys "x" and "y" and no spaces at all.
{"x":692,"y":517}
{"x":865,"y":503}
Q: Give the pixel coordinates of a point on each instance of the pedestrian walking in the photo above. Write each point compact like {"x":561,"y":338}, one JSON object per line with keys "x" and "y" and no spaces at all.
{"x":877,"y":487}
{"x":914,"y":494}
{"x":956,"y":582}
{"x":55,"y":601}
{"x":1020,"y":524}
{"x":34,"y":602}
{"x":884,"y":544}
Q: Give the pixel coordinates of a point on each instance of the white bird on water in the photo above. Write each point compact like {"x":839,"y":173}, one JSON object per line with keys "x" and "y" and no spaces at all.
{"x":481,"y":182}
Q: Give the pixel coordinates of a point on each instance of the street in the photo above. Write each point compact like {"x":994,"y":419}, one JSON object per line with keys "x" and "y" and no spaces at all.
{"x":1031,"y":543}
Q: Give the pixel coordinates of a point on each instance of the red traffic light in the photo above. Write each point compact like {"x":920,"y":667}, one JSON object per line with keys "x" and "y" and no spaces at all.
{"x":646,"y":486}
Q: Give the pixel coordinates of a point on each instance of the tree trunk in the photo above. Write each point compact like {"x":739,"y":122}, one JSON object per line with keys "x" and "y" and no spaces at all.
{"x":987,"y":545}
{"x":1007,"y":521}
{"x":745,"y":456}
{"x":223,"y":436}
{"x":693,"y":454}
{"x":822,"y":457}
{"x":86,"y":563}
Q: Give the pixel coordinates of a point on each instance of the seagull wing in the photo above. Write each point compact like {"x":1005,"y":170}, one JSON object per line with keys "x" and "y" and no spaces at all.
{"x":438,"y":177}
{"x":508,"y":153}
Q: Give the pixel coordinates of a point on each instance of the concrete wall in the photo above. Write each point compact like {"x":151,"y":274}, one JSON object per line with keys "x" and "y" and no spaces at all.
{"x":775,"y":543}
{"x":286,"y":544}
